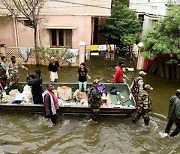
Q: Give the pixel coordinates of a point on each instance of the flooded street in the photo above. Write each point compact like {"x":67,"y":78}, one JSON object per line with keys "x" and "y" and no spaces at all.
{"x":32,"y":133}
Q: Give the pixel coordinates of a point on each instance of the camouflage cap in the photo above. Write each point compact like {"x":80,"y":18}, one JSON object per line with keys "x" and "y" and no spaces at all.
{"x":178,"y":90}
{"x":96,"y":81}
{"x":147,"y":86}
{"x":142,"y":73}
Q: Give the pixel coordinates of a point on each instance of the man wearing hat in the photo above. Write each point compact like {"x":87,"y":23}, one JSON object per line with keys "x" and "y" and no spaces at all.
{"x":144,"y":105}
{"x":36,"y":82}
{"x":137,"y":85}
{"x":94,"y":100}
{"x":174,"y":114}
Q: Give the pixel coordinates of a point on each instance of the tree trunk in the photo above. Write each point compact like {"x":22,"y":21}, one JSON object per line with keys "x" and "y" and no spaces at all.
{"x":36,"y":44}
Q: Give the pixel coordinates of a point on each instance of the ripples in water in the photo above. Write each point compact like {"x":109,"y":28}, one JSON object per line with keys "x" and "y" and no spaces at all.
{"x":22,"y":133}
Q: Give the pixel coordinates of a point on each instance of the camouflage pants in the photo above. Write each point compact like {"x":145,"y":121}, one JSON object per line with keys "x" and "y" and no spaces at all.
{"x":96,"y":115}
{"x":143,"y":114}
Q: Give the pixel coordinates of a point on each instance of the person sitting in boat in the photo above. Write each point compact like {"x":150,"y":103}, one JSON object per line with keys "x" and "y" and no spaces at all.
{"x":12,"y":70}
{"x":137,"y":85}
{"x":36,"y":82}
{"x":94,"y":100}
{"x":144,"y":105}
{"x":118,"y":76}
{"x":174,"y":114}
{"x":50,"y":103}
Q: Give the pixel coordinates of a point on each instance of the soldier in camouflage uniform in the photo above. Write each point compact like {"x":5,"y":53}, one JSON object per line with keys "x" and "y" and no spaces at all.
{"x":94,"y":100}
{"x":2,"y":77}
{"x":13,"y":72}
{"x":137,"y":85}
{"x":144,"y":105}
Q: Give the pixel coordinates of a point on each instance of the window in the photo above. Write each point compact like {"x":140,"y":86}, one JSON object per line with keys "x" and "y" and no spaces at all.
{"x":141,"y":18}
{"x":61,"y":38}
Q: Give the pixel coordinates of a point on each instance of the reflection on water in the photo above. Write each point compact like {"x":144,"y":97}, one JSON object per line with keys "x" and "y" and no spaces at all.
{"x":32,"y":133}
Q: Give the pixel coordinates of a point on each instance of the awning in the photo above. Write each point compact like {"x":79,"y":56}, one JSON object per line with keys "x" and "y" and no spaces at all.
{"x":58,"y":27}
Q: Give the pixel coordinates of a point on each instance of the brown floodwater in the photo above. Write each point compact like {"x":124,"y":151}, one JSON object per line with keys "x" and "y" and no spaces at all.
{"x":31,"y":133}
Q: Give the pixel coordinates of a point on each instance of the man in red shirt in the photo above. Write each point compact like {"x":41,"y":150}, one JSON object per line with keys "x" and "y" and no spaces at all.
{"x":118,"y":76}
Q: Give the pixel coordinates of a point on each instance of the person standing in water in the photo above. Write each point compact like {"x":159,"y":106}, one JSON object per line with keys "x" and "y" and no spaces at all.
{"x":174,"y":114}
{"x":54,"y":68}
{"x":82,"y":76}
{"x":50,"y":104}
{"x":118,"y":76}
{"x":144,"y":105}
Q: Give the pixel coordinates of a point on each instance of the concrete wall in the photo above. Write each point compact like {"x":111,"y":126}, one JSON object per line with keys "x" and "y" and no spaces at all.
{"x":152,"y":10}
{"x":71,"y":13}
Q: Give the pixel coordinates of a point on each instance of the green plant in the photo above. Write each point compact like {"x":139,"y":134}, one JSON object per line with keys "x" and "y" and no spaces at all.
{"x":165,"y":37}
{"x":47,"y":53}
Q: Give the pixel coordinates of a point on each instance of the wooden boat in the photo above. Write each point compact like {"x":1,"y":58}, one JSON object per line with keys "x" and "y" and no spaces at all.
{"x":122,"y":104}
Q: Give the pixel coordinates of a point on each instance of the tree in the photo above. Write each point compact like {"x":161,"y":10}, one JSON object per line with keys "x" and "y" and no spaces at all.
{"x":28,"y":8}
{"x":165,"y":37}
{"x":123,"y":26}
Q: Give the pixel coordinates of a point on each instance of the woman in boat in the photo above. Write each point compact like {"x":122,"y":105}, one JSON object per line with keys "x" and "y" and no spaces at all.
{"x":82,"y":76}
{"x":50,"y":104}
{"x":54,"y":68}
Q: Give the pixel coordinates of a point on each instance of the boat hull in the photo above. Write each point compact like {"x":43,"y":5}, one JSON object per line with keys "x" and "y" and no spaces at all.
{"x":107,"y":110}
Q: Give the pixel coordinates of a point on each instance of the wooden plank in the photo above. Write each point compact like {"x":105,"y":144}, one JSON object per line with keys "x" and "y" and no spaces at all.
{"x":166,"y":70}
{"x":172,"y":72}
{"x":177,"y":72}
{"x":161,"y":69}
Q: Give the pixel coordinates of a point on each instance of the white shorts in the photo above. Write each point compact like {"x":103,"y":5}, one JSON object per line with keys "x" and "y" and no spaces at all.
{"x":53,"y":76}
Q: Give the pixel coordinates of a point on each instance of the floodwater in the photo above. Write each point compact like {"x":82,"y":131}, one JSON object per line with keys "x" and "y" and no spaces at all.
{"x":32,"y":133}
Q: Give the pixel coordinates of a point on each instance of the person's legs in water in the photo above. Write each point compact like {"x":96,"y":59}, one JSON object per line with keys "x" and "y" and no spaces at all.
{"x":96,"y":115}
{"x":136,"y":117}
{"x":54,"y":119}
{"x":146,"y":118}
{"x":177,"y":130}
{"x":169,"y":125}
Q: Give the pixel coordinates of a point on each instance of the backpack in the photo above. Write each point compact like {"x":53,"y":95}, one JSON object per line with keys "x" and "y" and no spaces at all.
{"x":113,"y":91}
{"x":135,"y":87}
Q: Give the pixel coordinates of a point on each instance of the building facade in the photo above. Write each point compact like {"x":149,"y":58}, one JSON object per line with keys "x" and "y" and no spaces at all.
{"x":63,"y":24}
{"x":150,"y":11}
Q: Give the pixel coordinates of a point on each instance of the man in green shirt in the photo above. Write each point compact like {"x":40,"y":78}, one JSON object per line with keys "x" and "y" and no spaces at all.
{"x":174,"y":114}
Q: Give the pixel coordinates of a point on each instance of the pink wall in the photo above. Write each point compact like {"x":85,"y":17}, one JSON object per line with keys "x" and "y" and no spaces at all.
{"x":82,"y":31}
{"x":7,"y":34}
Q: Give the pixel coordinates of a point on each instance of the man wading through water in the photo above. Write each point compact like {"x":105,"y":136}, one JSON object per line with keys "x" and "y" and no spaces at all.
{"x":94,"y":100}
{"x":144,"y":105}
{"x":50,"y":104}
{"x":137,"y":85}
{"x":174,"y":114}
